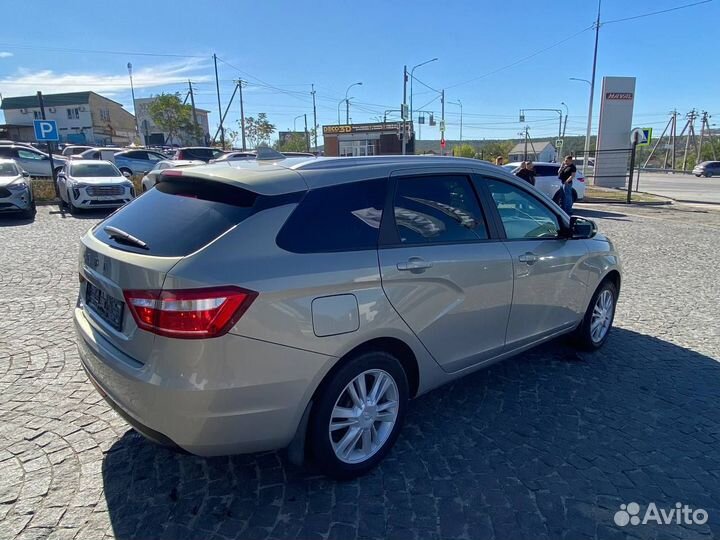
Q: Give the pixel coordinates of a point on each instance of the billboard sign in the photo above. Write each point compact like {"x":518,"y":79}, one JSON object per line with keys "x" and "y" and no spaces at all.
{"x":613,"y":141}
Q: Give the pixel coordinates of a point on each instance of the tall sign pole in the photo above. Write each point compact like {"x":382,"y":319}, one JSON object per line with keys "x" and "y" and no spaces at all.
{"x":49,"y":145}
{"x":132,"y":91}
{"x":192,"y":104}
{"x":592,"y":87}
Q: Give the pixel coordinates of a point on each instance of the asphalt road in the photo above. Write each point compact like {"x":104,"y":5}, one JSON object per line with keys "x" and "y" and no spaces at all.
{"x":552,"y":444}
{"x":681,"y":187}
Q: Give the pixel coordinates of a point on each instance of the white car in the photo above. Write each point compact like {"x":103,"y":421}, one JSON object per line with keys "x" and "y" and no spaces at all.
{"x":85,"y":184}
{"x":104,"y":153}
{"x":30,"y":159}
{"x":151,"y":178}
{"x":547,"y":181}
{"x":15,"y":192}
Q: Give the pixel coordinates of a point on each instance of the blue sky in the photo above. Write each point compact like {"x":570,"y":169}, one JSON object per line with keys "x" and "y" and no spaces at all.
{"x":282,"y":48}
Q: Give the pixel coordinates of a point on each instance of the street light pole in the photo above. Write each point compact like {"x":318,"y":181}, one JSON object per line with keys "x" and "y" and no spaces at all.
{"x":567,"y":113}
{"x":592,"y":87}
{"x":132,"y":91}
{"x":458,"y":102}
{"x":587,"y":134}
{"x":411,"y":83}
{"x":347,"y":102}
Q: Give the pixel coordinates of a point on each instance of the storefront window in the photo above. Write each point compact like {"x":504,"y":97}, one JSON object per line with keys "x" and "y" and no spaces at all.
{"x":357,"y":148}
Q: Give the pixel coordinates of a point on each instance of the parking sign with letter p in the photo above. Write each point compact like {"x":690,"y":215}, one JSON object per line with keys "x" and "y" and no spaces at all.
{"x":46,"y":130}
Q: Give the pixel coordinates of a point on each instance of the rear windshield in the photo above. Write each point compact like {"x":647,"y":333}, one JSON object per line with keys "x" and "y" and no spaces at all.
{"x":179,"y":217}
{"x":87,"y":170}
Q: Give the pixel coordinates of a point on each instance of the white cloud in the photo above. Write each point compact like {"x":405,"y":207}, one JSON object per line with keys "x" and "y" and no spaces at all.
{"x":5,"y":54}
{"x":25,"y":82}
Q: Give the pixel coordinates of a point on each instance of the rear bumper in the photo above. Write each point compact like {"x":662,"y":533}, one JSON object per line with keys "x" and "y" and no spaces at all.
{"x":230,"y":396}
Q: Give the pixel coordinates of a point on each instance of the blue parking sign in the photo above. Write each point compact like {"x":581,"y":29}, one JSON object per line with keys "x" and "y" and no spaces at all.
{"x":46,"y":130}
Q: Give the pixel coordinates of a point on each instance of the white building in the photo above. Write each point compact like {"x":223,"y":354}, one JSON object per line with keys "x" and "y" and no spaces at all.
{"x":152,"y":135}
{"x":82,"y":117}
{"x":533,"y":150}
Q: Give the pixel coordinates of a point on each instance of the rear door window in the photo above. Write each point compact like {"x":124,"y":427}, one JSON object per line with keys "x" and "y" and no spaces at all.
{"x":179,"y":217}
{"x":438,"y":209}
{"x":547,"y":170}
{"x":336,"y":218}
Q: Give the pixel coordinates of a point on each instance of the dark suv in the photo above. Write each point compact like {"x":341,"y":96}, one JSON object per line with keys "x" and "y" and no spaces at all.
{"x":203,"y":153}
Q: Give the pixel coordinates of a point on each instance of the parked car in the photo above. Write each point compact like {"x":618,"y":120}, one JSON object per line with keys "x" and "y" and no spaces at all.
{"x":15,"y":192}
{"x":547,"y":180}
{"x":138,"y":161}
{"x":85,"y":184}
{"x":73,"y":150}
{"x":102,"y":152}
{"x":31,"y":160}
{"x":234,"y":156}
{"x":203,"y":153}
{"x":151,"y":178}
{"x":708,"y":169}
{"x":268,"y":305}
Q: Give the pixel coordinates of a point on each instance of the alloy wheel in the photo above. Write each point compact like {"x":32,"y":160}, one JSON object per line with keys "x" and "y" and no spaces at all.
{"x":602,"y":316}
{"x":364,"y":416}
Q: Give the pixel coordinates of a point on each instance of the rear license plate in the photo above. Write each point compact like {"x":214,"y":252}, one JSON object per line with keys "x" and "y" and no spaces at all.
{"x":109,"y":309}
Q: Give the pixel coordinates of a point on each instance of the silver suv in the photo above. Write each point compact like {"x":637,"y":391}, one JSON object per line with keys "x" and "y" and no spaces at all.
{"x":302,"y":303}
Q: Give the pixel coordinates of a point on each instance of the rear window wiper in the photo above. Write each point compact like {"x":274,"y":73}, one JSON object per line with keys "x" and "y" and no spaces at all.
{"x":121,"y":236}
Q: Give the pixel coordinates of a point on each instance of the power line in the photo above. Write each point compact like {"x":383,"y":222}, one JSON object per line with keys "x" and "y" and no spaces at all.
{"x":97,"y":51}
{"x":521,"y":60}
{"x":655,"y":12}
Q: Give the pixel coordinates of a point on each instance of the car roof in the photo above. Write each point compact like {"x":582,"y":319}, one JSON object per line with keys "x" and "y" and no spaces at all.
{"x":274,"y":177}
{"x":6,"y":160}
{"x":90,"y":161}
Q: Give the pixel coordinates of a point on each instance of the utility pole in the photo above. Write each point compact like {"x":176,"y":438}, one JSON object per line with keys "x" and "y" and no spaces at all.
{"x":592,"y":87}
{"x":673,"y":137}
{"x":442,"y":122}
{"x":673,"y":115}
{"x":307,"y":135}
{"x":403,"y":132}
{"x":132,"y":90}
{"x":217,"y":87}
{"x":192,"y":104}
{"x":705,"y":127}
{"x":690,"y":126}
{"x":315,"y":124}
{"x":242,"y":114}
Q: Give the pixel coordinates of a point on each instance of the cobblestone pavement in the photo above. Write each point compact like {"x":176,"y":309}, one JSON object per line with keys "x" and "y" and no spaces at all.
{"x":547,"y":445}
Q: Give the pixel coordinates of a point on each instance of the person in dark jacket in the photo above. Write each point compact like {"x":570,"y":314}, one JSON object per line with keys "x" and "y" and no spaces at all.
{"x":527,"y":172}
{"x":566,"y":175}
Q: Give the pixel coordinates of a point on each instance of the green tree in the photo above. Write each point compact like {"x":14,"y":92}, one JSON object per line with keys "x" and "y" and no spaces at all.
{"x":464,"y":150}
{"x":171,"y":116}
{"x":295,"y":143}
{"x":258,"y":130}
{"x":494,"y":149}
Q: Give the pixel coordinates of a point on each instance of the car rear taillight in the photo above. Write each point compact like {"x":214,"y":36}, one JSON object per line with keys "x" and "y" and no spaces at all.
{"x":189,"y":313}
{"x":581,"y":179}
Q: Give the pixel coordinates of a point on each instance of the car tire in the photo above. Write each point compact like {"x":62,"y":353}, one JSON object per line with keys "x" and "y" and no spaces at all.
{"x":601,"y":311}
{"x":30,"y":212}
{"x":708,"y":175}
{"x":356,"y":444}
{"x":71,"y":207}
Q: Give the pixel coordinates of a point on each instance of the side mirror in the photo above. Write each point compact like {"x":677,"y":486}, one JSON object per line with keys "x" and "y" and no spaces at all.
{"x":582,"y":228}
{"x":126,"y":174}
{"x":26,"y":174}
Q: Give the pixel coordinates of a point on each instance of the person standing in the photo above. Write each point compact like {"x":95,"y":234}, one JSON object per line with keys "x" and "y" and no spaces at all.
{"x":499,"y":161}
{"x":566,"y":174}
{"x":527,"y":172}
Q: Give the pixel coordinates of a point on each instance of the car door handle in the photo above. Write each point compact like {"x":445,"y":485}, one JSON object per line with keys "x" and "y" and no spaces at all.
{"x":529,"y":258}
{"x":414,"y":263}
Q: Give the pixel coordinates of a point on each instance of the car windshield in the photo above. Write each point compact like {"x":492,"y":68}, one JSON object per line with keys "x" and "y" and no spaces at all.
{"x":8,"y":169}
{"x":85,"y":170}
